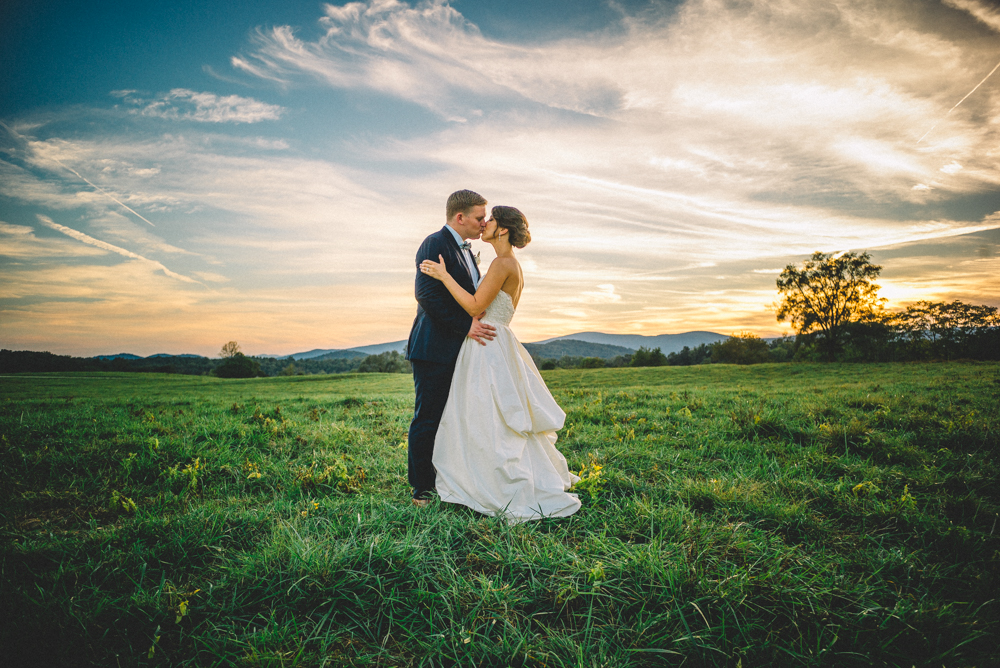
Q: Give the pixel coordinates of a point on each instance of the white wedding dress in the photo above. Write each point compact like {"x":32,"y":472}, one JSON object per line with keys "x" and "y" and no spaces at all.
{"x":495,"y":448}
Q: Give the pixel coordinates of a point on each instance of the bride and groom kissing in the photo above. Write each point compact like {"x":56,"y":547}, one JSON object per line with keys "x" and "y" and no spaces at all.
{"x":484,"y":423}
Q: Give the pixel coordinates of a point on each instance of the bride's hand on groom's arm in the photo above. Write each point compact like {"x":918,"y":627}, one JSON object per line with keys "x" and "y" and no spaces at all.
{"x":480,"y":332}
{"x":434,"y":269}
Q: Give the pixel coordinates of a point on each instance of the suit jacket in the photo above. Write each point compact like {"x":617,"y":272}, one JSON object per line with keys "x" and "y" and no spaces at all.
{"x":441,"y":324}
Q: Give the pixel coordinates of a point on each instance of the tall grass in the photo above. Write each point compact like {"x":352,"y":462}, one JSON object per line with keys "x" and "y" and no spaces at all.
{"x":786,"y":515}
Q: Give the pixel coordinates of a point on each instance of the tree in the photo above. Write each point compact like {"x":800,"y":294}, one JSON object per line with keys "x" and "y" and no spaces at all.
{"x":741,"y":348}
{"x":238,"y":366}
{"x":231,"y":349}
{"x":828,"y":293}
{"x":646,"y":357}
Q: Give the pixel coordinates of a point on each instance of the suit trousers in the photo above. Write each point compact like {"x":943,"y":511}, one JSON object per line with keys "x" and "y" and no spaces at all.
{"x":431,"y":382}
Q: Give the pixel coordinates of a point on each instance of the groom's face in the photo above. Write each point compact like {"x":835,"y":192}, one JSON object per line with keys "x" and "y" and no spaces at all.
{"x":470,"y":223}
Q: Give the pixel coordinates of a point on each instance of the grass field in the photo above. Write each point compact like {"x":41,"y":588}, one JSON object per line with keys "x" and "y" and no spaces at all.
{"x":800,"y":515}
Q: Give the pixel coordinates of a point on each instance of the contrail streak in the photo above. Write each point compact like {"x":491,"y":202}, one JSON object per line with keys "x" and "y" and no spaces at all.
{"x":961,"y":101}
{"x":87,"y":239}
{"x":92,"y":185}
{"x":102,"y":191}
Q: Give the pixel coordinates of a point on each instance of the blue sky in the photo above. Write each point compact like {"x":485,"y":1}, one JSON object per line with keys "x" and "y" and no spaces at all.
{"x":182,"y":174}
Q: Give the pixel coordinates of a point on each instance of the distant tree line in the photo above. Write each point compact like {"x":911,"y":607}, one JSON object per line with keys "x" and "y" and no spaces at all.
{"x":923,"y":331}
{"x":21,"y":361}
{"x":287,"y":366}
{"x":387,"y":362}
{"x":742,"y":348}
{"x":579,"y":362}
{"x":233,"y":364}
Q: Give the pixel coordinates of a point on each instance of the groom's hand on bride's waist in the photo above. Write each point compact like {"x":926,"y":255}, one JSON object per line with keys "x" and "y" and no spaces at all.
{"x":481,"y":332}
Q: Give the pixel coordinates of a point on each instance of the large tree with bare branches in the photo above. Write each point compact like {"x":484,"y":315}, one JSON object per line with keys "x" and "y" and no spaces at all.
{"x":828,"y":293}
{"x":229,"y":350}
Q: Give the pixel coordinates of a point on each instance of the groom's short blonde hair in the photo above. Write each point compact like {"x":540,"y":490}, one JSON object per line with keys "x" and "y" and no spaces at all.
{"x":461,"y":201}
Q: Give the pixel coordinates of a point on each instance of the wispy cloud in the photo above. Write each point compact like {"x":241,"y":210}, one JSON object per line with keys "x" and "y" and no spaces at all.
{"x":19,"y":242}
{"x":15,"y":230}
{"x":430,"y":54}
{"x":87,"y":239}
{"x":188,"y":105}
{"x":605,"y":294}
{"x":989,"y":14}
{"x":186,"y":174}
{"x":756,"y":96}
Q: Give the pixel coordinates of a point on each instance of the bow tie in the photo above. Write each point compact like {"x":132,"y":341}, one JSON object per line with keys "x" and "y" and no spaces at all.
{"x":465,"y":246}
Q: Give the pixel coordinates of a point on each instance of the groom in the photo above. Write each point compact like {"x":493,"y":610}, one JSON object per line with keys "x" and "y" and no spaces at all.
{"x":439,"y":329}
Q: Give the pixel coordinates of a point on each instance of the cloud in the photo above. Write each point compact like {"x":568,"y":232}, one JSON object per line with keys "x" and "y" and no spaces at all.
{"x":431,"y":55}
{"x":15,"y":230}
{"x":985,"y":13}
{"x":752,"y":97}
{"x":87,"y":239}
{"x":188,"y":105}
{"x":211,"y":277}
{"x":605,"y":294}
{"x":951,"y":168}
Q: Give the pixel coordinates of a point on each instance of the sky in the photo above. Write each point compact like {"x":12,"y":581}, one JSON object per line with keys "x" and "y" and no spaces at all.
{"x":180,"y":174}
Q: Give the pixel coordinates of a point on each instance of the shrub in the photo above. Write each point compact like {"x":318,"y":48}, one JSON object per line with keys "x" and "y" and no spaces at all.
{"x":387,"y":362}
{"x":782,"y":350}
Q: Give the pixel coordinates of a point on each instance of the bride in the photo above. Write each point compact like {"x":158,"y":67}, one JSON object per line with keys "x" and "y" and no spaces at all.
{"x":495,"y":447}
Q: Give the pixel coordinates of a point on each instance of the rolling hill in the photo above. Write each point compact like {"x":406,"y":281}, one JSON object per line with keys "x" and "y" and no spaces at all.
{"x":574,"y":348}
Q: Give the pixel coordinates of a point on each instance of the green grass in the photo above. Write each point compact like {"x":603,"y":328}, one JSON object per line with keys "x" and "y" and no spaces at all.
{"x":797,"y":515}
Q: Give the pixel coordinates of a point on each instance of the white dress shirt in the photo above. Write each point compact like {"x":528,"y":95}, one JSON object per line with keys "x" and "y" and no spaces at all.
{"x":467,"y":258}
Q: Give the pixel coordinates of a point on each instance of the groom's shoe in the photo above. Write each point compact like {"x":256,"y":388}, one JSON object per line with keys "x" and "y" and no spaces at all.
{"x":421,"y":497}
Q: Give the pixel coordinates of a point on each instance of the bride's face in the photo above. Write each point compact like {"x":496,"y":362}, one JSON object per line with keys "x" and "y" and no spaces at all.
{"x":491,"y":229}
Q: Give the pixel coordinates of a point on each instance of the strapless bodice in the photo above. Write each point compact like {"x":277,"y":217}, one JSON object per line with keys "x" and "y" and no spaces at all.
{"x":501,"y":310}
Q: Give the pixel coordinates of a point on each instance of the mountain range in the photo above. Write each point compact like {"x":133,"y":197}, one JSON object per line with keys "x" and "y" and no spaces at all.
{"x":616,"y":344}
{"x":581,"y":344}
{"x":667,"y":343}
{"x":340,"y":353}
{"x":130,"y":356}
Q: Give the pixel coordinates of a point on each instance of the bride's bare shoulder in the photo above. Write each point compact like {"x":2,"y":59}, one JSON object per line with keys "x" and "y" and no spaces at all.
{"x":505,"y":264}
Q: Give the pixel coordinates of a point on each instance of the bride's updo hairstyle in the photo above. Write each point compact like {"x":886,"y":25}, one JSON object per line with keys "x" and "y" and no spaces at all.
{"x":515,"y":223}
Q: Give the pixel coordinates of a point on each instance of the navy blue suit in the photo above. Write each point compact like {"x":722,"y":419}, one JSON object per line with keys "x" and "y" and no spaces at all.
{"x":438,"y":331}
